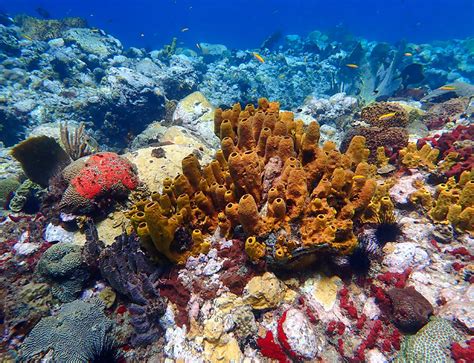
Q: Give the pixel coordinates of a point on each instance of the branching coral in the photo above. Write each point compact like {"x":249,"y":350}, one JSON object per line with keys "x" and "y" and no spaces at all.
{"x":76,"y":144}
{"x":308,"y":203}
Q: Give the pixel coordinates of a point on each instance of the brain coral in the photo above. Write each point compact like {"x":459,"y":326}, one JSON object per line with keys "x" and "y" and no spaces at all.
{"x":290,"y":196}
{"x":78,"y":333}
{"x":385,"y":114}
{"x":97,"y":178}
{"x":430,"y":344}
{"x":62,"y":265}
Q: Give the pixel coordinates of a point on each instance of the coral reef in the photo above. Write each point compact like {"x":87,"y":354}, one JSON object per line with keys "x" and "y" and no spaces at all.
{"x":430,"y":344}
{"x":46,"y":29}
{"x":26,"y":197}
{"x":41,"y":158}
{"x":330,"y":196}
{"x":79,"y":332}
{"x":455,"y":149}
{"x":392,"y":139}
{"x":335,"y":226}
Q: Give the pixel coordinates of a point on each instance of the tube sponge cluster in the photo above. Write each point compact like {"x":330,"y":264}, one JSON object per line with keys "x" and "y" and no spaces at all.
{"x":290,"y":196}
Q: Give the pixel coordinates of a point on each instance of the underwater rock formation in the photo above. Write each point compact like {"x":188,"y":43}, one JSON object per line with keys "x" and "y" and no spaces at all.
{"x":411,"y":311}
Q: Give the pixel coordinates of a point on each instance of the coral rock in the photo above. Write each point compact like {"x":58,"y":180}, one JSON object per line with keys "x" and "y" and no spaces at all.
{"x":263,"y":292}
{"x":297,"y":335}
{"x":411,"y":311}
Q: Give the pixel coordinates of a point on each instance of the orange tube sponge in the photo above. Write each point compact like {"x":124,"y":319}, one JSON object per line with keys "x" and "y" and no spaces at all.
{"x":245,"y":135}
{"x":217,"y":171}
{"x":204,"y":203}
{"x":286,"y":148}
{"x":161,"y":229}
{"x":192,"y":170}
{"x":227,"y":130}
{"x":310,"y":141}
{"x":257,"y":124}
{"x":232,"y":213}
{"x":262,"y":140}
{"x":248,"y":215}
{"x":296,"y":193}
{"x":255,"y":250}
{"x":221,"y":159}
{"x":357,"y":152}
{"x":278,"y":209}
{"x":181,"y":185}
{"x":217,"y":121}
{"x":227,"y":146}
{"x":225,"y":227}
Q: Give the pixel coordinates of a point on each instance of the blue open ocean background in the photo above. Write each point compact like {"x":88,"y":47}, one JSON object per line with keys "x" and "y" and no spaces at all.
{"x":246,"y":23}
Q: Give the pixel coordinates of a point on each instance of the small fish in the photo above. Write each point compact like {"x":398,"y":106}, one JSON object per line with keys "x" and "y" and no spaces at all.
{"x":281,"y":76}
{"x":258,"y":57}
{"x":387,"y":115}
{"x":27,"y":37}
{"x":198,"y":46}
{"x":352,"y":65}
{"x":447,"y":88}
{"x":408,"y":54}
{"x":184,"y":30}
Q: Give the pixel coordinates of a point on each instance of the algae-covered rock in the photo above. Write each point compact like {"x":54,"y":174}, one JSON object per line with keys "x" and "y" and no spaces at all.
{"x":93,"y":42}
{"x":62,"y":266}
{"x":195,"y":112}
{"x":78,"y":333}
{"x":263,"y":292}
{"x":7,"y":187}
{"x":26,"y":192}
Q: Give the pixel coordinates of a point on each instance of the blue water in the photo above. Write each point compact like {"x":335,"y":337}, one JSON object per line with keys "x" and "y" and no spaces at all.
{"x":246,"y":23}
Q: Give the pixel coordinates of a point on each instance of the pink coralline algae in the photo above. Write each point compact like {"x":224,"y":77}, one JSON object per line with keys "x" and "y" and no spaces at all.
{"x":95,"y":178}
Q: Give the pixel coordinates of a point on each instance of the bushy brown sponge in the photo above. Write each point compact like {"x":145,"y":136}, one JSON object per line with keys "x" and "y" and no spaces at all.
{"x":385,"y":114}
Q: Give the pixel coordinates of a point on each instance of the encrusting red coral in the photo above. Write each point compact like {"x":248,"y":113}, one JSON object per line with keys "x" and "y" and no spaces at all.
{"x":271,"y":349}
{"x":103,"y":171}
{"x":463,"y":354}
{"x":97,"y":177}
